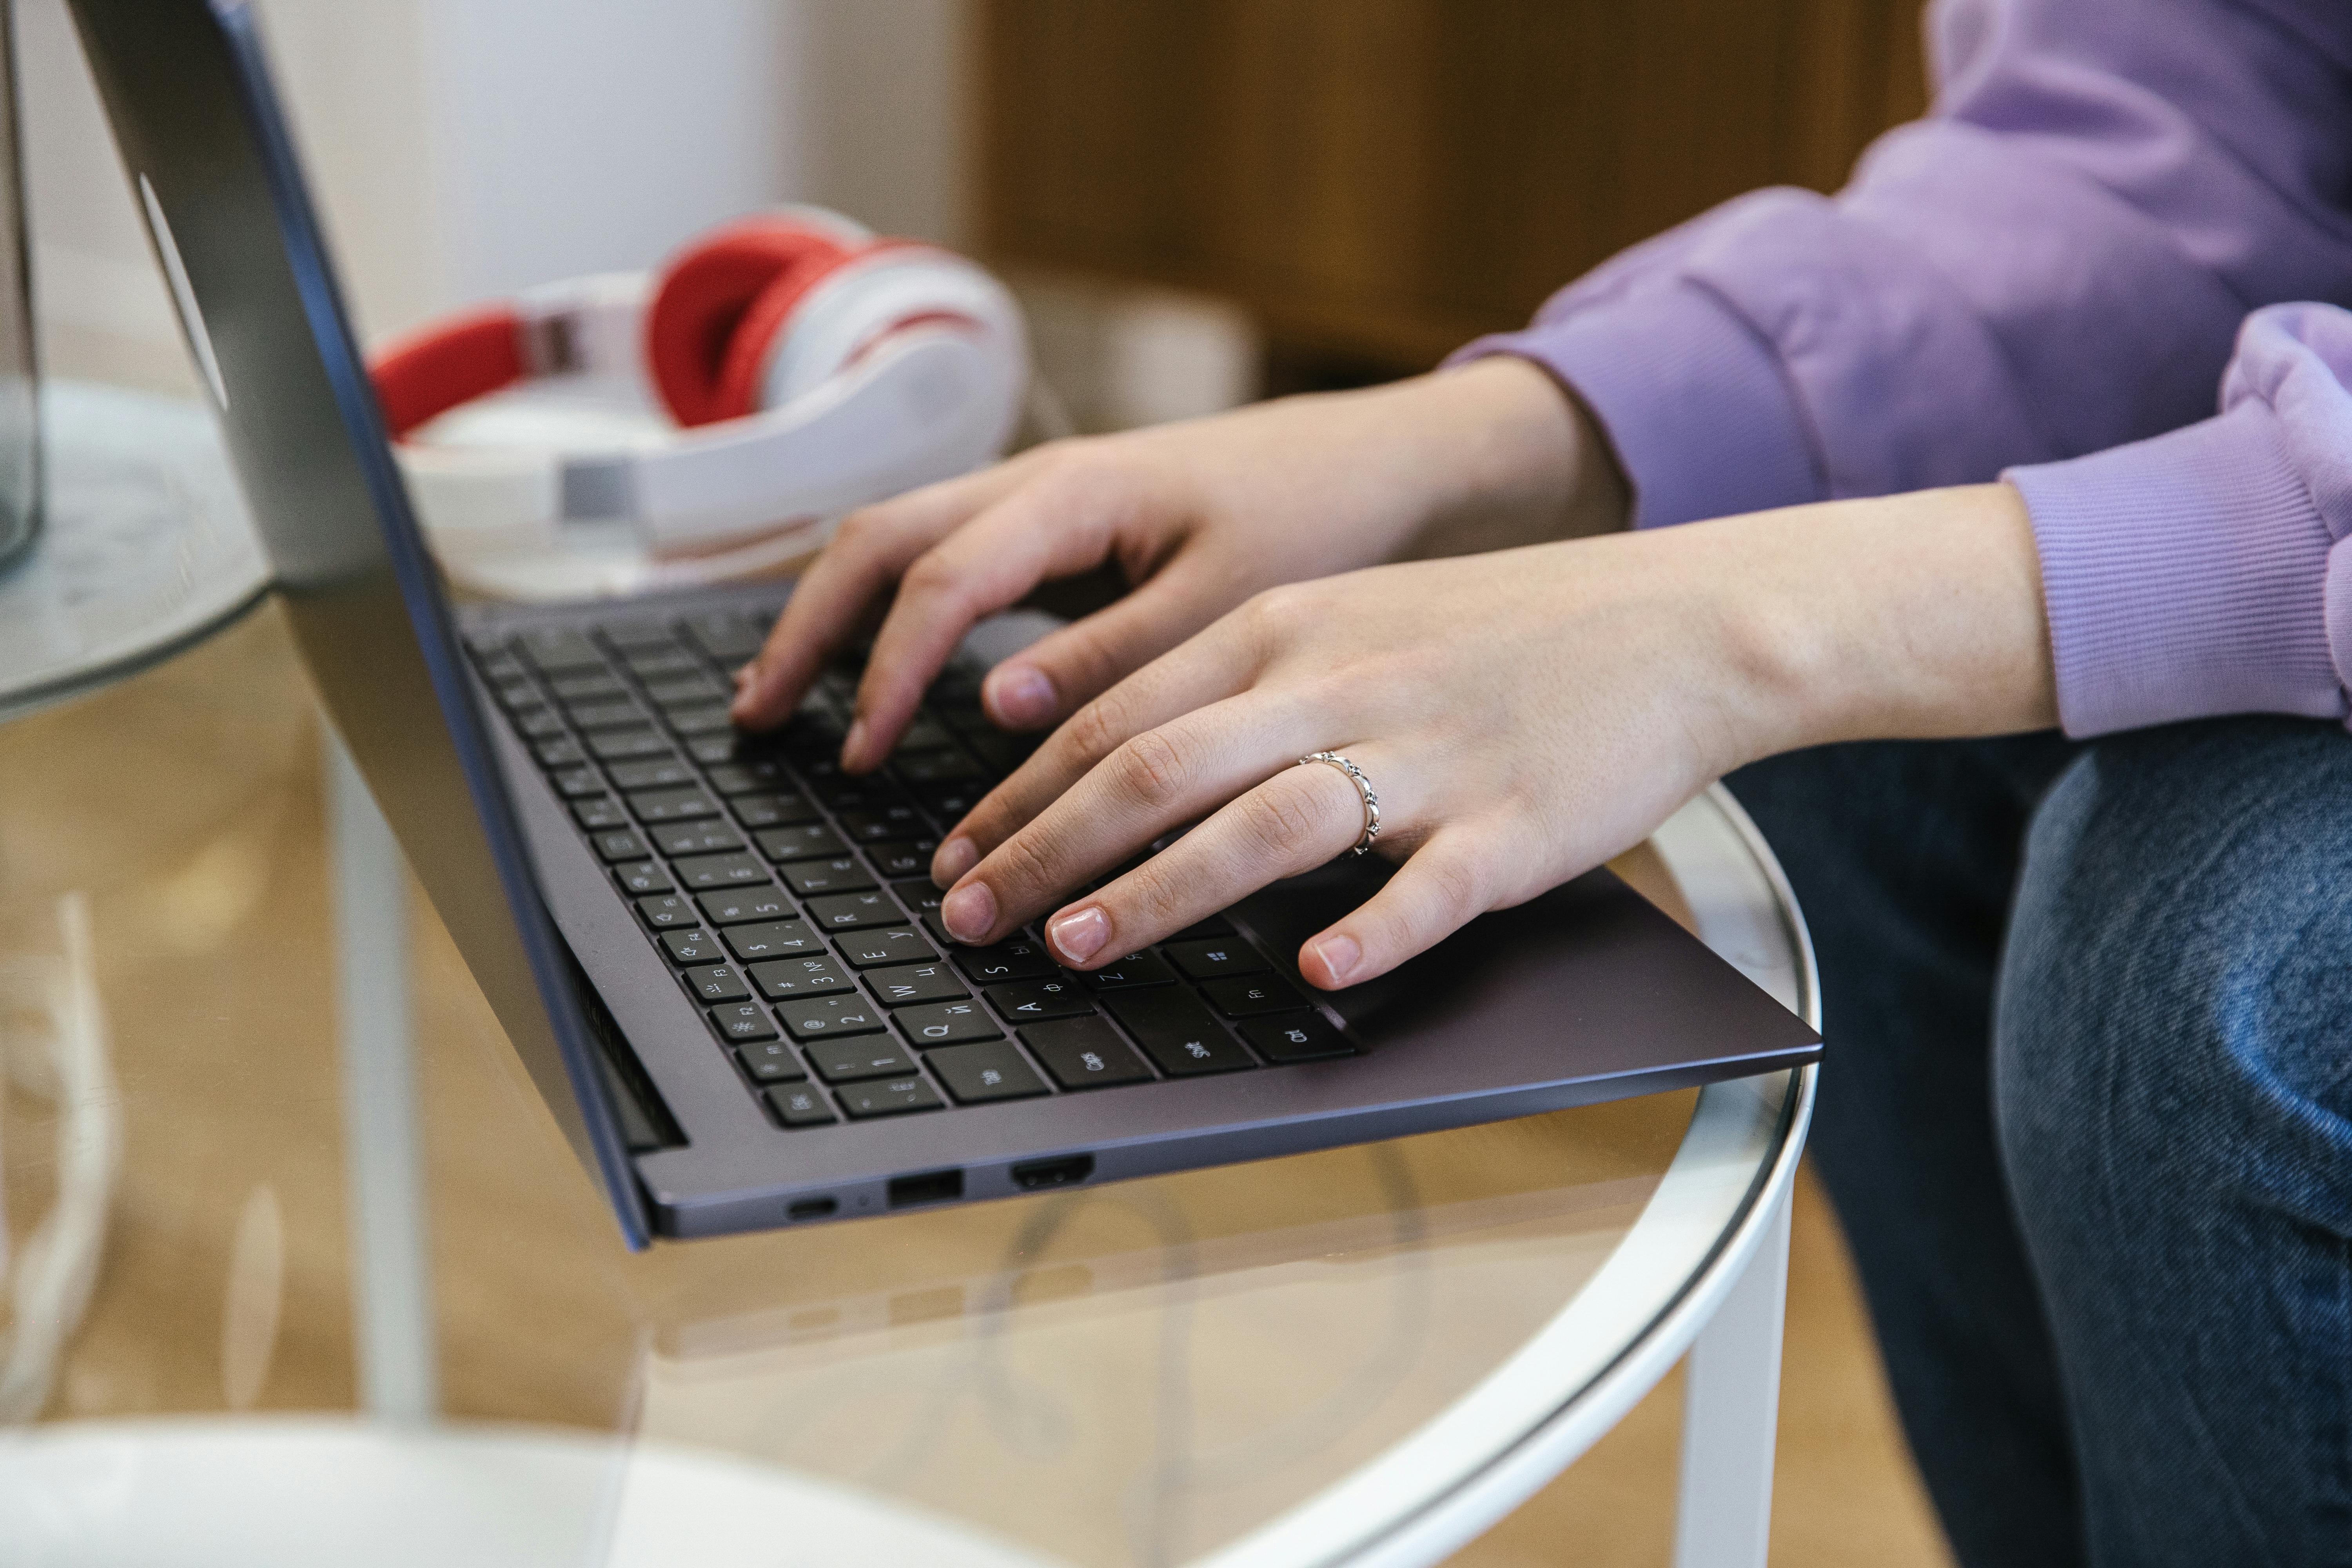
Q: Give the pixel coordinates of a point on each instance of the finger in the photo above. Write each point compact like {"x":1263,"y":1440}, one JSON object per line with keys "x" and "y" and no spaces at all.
{"x":1160,"y":779}
{"x":871,"y":548}
{"x":1301,"y":818}
{"x":1449,"y":881}
{"x":1045,"y":682}
{"x":1055,"y":527}
{"x":1208,"y":668}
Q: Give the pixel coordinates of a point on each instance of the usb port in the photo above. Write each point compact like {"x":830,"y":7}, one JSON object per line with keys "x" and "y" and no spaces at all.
{"x":813,"y":1208}
{"x":1066,"y":1172}
{"x":931,"y":1187}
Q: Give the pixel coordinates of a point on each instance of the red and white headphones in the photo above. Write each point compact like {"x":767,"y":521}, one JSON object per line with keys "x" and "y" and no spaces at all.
{"x":809,"y":366}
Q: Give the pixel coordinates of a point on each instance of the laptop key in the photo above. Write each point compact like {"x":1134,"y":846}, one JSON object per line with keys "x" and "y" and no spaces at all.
{"x":1178,"y":1033}
{"x":1135,"y":969}
{"x":914,"y":982}
{"x":1085,"y":1053}
{"x":1246,"y":998}
{"x":903,"y":856}
{"x":686,"y":947}
{"x":1215,"y":925}
{"x":745,"y":774}
{"x":744,"y":1021}
{"x":886,"y":944}
{"x":946,"y":766}
{"x":772,"y":808}
{"x":977,"y":1074}
{"x":621,"y":715}
{"x":717,"y":982}
{"x":786,"y":979}
{"x":620,"y":845}
{"x":601,"y":813}
{"x":860,"y":1056}
{"x":880,"y":824}
{"x":1027,"y":1001}
{"x":687,"y":687}
{"x":640,"y":877}
{"x":597,"y":687}
{"x":577,"y":784}
{"x":1215,"y":958}
{"x":742,"y":906}
{"x":800,"y":1105}
{"x":710,"y":750}
{"x":773,"y":939}
{"x":721,"y":871}
{"x":1019,"y":959}
{"x":854,"y":911}
{"x":537,"y":723}
{"x":811,"y":878}
{"x":709,"y":837}
{"x":771,"y":1063}
{"x":559,"y":753}
{"x":624,"y":745}
{"x":946,"y":1024}
{"x":671,"y":805}
{"x":821,"y":1017}
{"x":665,"y":913}
{"x":560,"y":649}
{"x":661,"y":663}
{"x":890,"y":1097}
{"x":705,"y":721}
{"x":1297,"y":1038}
{"x":653,"y":772}
{"x":811,"y":841}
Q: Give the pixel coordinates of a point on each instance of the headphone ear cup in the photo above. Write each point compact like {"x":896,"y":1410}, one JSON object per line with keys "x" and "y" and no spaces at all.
{"x":745,"y":276}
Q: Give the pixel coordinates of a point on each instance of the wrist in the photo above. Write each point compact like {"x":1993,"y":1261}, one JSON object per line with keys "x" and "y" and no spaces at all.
{"x":1915,"y":617}
{"x":1515,"y":459}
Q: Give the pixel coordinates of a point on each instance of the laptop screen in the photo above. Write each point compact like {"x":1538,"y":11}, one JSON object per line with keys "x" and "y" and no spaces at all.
{"x":213,"y":169}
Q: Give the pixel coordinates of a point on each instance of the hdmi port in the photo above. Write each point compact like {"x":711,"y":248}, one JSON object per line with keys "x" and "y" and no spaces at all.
{"x":1066,"y":1172}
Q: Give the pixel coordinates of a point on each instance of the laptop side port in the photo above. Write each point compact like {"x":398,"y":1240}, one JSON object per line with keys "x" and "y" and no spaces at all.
{"x":813,"y":1208}
{"x":931,"y":1187}
{"x":1066,"y":1172}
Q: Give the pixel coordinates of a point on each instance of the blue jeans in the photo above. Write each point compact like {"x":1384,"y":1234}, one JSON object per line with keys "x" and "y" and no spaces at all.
{"x":2086,"y":1115}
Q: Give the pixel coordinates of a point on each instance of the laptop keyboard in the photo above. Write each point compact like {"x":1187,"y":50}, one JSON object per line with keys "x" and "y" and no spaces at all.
{"x":794,"y":904}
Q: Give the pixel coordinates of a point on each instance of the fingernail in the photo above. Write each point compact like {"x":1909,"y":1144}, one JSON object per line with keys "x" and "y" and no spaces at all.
{"x":968,"y":911}
{"x":1019,"y":697}
{"x":1339,"y":955}
{"x":1078,"y":934}
{"x":956,"y":856}
{"x":853,"y":744}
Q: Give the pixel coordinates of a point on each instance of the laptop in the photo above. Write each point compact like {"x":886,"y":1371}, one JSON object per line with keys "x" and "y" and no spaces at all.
{"x":718,"y":956}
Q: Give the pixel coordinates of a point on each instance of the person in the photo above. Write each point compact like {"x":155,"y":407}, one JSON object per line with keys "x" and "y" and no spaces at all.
{"x":2032,"y":665}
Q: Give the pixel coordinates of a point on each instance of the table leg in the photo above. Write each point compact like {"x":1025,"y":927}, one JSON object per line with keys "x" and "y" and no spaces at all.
{"x":391,"y":1288}
{"x":1731,"y":1406}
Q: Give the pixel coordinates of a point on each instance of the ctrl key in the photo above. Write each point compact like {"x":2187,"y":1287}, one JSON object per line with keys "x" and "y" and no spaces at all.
{"x":797,"y":1105}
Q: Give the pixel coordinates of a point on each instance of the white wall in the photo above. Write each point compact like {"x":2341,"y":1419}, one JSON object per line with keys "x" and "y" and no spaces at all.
{"x":463,"y":149}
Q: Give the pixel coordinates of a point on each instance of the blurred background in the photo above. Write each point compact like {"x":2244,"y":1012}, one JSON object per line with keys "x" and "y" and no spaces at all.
{"x":1200,"y":201}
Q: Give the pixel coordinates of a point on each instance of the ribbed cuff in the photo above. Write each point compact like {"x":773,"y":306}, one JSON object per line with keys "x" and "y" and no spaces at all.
{"x":1691,"y":399}
{"x":2185,"y":577}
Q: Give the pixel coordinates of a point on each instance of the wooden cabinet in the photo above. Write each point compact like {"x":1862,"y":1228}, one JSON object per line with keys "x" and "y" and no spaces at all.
{"x":1380,"y":180}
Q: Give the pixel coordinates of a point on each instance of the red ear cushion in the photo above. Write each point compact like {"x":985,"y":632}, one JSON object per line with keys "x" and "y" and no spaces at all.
{"x":746,"y":364}
{"x":445,"y":364}
{"x":707,"y":298}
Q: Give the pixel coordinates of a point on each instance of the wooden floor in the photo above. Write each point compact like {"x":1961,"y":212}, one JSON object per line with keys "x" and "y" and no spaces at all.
{"x":185,"y":806}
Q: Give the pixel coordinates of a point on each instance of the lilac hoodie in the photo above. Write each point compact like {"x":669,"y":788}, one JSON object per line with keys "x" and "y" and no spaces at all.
{"x":2058,"y":261}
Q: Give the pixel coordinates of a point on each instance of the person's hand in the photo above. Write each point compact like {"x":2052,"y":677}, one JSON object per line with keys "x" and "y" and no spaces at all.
{"x":1198,"y":516}
{"x":1524,"y":715}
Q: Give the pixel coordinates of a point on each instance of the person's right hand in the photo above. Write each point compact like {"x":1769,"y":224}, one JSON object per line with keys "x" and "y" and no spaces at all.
{"x":1199,"y":516}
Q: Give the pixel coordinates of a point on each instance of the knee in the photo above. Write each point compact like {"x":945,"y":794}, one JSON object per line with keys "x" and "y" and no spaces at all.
{"x":2171,"y":1015}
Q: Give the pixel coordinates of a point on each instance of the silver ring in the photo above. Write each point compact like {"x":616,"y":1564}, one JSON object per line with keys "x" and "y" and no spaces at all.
{"x":1363,"y":787}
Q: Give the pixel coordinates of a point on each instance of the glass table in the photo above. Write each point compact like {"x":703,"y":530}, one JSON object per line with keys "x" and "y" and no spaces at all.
{"x":297,"y":1267}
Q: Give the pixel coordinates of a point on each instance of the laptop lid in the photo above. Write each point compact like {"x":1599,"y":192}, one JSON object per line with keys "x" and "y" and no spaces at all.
{"x":213,"y":170}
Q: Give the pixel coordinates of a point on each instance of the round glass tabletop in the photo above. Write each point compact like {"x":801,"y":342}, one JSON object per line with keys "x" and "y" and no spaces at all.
{"x":1303,"y":1360}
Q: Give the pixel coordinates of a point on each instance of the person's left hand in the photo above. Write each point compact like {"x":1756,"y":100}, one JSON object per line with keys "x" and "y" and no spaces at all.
{"x":1523,"y":715}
